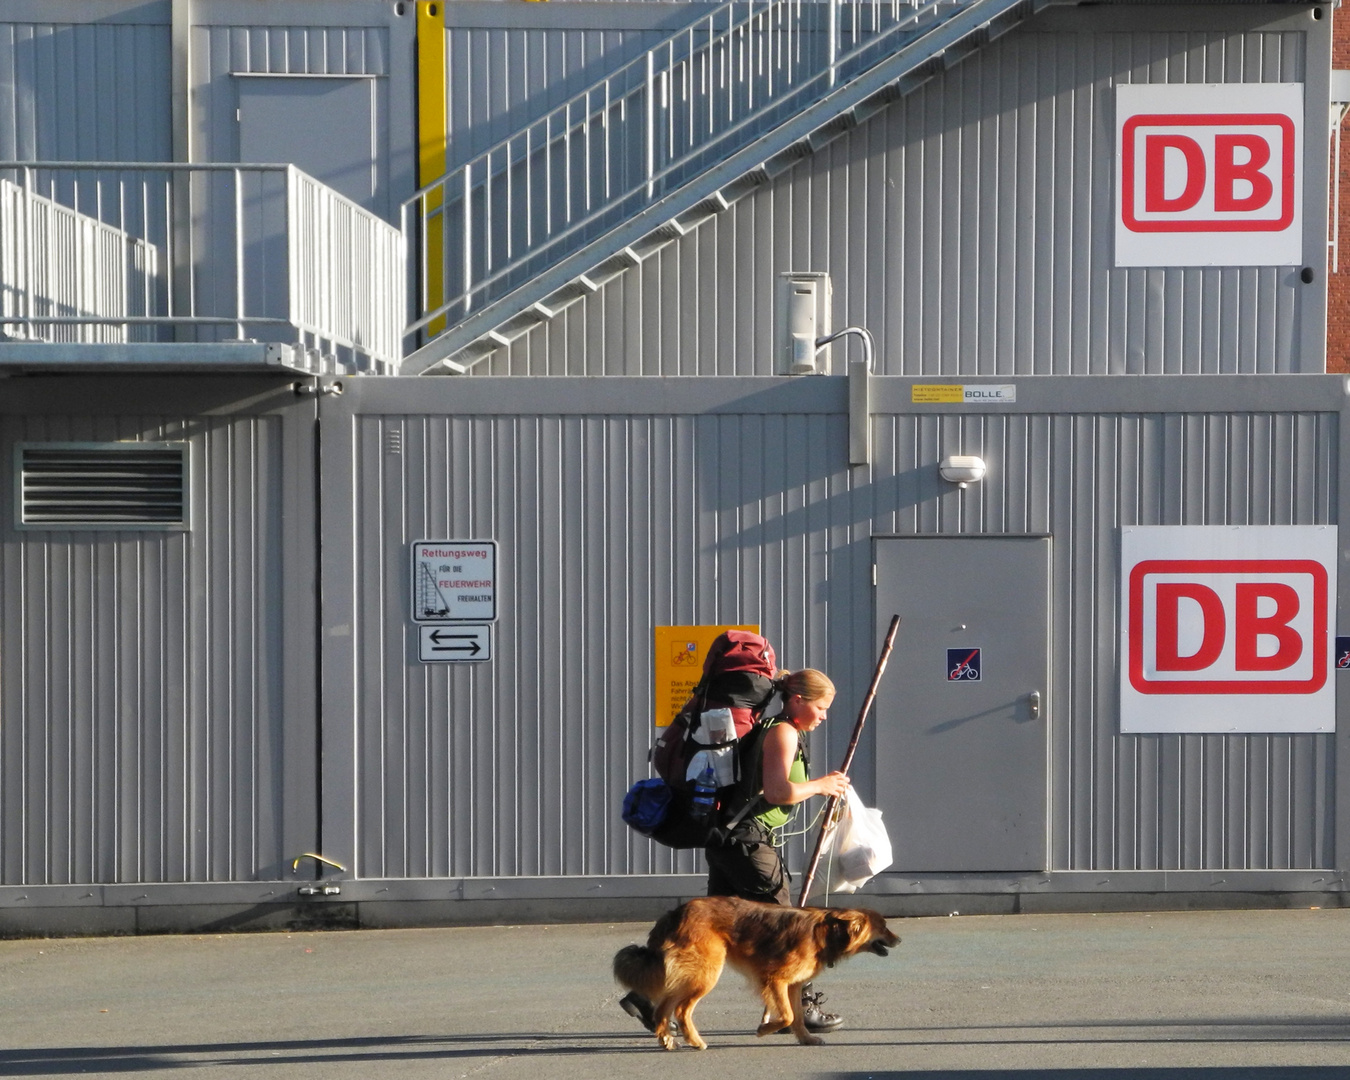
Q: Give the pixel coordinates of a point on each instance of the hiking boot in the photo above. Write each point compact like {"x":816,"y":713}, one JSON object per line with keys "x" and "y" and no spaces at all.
{"x":635,"y":1005}
{"x":815,"y":1019}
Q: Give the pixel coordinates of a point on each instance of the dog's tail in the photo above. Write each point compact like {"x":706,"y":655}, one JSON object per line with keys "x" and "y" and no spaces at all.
{"x":642,"y":969}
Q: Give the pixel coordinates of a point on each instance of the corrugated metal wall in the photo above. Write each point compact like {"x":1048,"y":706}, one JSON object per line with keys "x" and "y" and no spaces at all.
{"x":1164,"y":802}
{"x":85,"y":90}
{"x":969,"y":227}
{"x":610,"y":523}
{"x":157,"y":701}
{"x":507,"y":66}
{"x":516,"y":767}
{"x":150,"y":726}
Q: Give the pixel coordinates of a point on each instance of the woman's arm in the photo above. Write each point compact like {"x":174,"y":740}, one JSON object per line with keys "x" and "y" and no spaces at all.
{"x":780,"y":747}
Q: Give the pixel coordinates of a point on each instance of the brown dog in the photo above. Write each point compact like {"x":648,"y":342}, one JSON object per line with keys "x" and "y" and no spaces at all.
{"x":777,"y":948}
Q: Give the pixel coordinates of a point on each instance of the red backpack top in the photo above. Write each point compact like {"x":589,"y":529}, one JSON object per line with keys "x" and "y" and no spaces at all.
{"x":738,"y":674}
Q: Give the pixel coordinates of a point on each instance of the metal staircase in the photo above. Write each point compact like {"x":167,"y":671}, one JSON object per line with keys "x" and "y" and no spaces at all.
{"x":634,"y":162}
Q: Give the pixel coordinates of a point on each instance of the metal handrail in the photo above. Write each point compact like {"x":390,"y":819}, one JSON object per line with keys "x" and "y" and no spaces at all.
{"x":510,"y":208}
{"x":344,"y":268}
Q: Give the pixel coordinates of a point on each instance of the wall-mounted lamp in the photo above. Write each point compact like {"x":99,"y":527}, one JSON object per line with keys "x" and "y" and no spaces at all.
{"x":961,"y":469}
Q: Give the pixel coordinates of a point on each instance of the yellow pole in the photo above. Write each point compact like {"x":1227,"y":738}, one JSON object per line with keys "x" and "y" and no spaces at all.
{"x":432,"y":139}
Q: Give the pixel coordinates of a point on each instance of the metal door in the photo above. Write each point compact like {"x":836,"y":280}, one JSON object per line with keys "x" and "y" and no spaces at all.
{"x":323,"y":124}
{"x":962,"y":710}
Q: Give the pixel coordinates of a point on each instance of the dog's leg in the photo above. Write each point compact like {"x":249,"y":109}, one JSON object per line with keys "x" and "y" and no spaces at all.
{"x":664,"y":1009}
{"x":786,"y":1002}
{"x":778,"y":1011}
{"x":772,"y":1020}
{"x":798,"y":1016}
{"x":684,"y":1013}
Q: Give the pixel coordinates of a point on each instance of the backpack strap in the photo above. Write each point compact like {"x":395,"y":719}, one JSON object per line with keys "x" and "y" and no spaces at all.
{"x":750,"y":765}
{"x":742,"y":812}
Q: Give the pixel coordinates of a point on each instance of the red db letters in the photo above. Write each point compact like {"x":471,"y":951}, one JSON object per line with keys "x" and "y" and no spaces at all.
{"x":1207,"y":172}
{"x":1228,"y":626}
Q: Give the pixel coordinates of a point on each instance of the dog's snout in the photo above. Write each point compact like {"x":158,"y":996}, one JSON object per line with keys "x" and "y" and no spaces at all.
{"x":882,"y":946}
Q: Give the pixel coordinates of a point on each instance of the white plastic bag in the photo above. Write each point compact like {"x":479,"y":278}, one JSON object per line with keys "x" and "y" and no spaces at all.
{"x":718,"y":726}
{"x":723,"y":760}
{"x":861,"y":847}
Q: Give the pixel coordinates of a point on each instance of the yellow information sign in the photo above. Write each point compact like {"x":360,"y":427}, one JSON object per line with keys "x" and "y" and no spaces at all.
{"x":936,"y":394}
{"x":680,"y":651}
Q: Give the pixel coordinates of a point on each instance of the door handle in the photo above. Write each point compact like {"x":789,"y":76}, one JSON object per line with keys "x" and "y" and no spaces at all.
{"x":1034,"y":700}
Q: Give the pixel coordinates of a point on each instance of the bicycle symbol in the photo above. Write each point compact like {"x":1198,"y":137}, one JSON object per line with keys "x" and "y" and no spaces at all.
{"x":963,"y":665}
{"x":1343,"y":661}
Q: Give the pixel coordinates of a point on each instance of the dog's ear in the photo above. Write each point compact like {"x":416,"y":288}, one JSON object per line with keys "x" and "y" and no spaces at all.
{"x":859,"y":929}
{"x":834,"y":935}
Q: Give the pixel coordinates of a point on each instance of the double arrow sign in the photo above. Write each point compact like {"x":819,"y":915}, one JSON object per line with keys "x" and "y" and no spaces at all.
{"x":448,"y":644}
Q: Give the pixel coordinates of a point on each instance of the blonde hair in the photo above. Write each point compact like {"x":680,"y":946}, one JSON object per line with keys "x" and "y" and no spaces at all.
{"x":811,"y":684}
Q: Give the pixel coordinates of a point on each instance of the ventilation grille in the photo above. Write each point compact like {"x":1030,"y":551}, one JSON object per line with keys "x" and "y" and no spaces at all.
{"x":103,"y":486}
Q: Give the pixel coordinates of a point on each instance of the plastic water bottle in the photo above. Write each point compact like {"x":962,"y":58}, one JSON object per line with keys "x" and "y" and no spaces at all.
{"x":705,"y":793}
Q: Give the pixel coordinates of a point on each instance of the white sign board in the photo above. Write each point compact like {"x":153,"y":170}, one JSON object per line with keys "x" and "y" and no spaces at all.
{"x":455,"y":643}
{"x":1227,"y":628}
{"x":454,"y":580}
{"x":1209,"y":174}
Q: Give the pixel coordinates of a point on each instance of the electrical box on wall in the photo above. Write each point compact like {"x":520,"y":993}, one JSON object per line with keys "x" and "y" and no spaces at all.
{"x":803,"y":317}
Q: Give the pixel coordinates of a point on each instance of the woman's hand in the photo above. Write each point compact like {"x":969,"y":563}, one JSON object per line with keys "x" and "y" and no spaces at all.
{"x":832,"y":784}
{"x":780,"y":747}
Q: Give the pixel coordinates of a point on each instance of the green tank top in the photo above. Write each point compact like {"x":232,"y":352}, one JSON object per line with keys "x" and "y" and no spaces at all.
{"x":775,"y":817}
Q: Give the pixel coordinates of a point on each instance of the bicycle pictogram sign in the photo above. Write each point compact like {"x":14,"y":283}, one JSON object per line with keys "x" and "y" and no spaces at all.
{"x":963,"y":665}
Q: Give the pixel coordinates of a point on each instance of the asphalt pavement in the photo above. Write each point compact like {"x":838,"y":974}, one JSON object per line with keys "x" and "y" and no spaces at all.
{"x":1259,"y":995}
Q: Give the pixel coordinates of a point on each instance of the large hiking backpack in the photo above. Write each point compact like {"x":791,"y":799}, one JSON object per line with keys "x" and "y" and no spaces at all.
{"x":738,"y":679}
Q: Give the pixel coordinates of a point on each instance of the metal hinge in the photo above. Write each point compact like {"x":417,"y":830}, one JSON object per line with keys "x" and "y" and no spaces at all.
{"x":319,"y":890}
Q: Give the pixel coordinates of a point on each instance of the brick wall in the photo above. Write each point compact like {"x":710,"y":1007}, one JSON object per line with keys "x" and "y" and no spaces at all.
{"x":1338,"y":285}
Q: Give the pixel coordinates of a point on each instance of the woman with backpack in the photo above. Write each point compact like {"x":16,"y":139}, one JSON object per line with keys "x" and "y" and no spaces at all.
{"x":747,"y":863}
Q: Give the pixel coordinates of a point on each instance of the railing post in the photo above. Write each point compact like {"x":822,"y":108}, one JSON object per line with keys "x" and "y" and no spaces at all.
{"x":651,"y":122}
{"x":834,"y":40}
{"x":293,"y":311}
{"x":181,"y":290}
{"x":29,"y":282}
{"x":238,"y":253}
{"x":468,"y":241}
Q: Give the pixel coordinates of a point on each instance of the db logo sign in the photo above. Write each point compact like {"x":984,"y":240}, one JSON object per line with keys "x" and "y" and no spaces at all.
{"x":1209,"y":175}
{"x":1212,"y":172}
{"x":1224,"y":633}
{"x":1228,"y":626}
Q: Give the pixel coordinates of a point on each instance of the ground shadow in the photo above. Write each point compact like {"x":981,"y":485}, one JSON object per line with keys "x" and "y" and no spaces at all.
{"x":375,"y":1050}
{"x":54,"y":1061}
{"x":1241,"y":1072}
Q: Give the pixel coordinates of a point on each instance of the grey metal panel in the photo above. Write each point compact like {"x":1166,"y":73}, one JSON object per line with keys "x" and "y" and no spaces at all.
{"x":703,"y":503}
{"x":969,"y":227}
{"x":1128,"y":802}
{"x":156,"y":718}
{"x":93,"y":86}
{"x":608,"y":525}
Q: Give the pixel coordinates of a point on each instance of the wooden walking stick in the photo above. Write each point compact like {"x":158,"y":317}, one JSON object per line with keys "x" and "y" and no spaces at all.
{"x":833,"y":804}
